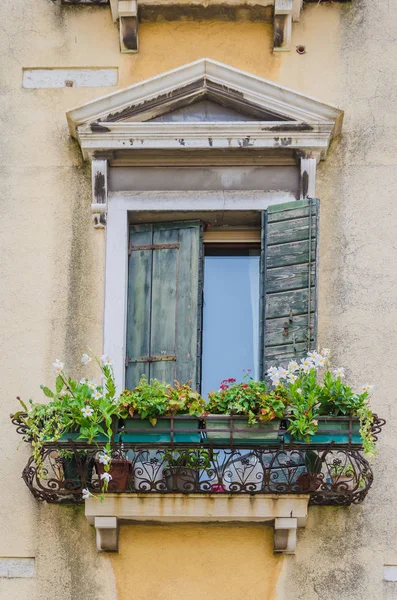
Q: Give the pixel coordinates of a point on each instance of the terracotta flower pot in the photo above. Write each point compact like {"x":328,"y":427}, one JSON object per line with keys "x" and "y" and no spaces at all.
{"x":180,"y":479}
{"x":120,"y":470}
{"x":309,"y":482}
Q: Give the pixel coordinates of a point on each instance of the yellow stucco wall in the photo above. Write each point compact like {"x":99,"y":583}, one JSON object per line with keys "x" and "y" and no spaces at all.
{"x":195,"y":562}
{"x":52,"y":293}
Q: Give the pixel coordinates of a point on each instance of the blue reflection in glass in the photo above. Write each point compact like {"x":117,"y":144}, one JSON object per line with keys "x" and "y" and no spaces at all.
{"x":230,"y":318}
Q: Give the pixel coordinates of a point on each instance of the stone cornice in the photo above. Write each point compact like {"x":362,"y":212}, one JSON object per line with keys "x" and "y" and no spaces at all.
{"x":127,"y":12}
{"x":312,"y":140}
{"x":283,"y":118}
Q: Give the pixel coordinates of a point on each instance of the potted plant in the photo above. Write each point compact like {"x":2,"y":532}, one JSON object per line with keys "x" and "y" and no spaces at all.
{"x":323,"y":409}
{"x":343,"y":477}
{"x":77,"y":472}
{"x":311,"y":478}
{"x":148,"y":413}
{"x":249,"y":412}
{"x":76,"y":412}
{"x":182,"y":473}
{"x":113,"y":470}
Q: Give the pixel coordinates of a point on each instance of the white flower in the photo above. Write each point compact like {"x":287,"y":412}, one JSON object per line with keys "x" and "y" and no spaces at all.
{"x":275,"y":381}
{"x":83,"y":381}
{"x":105,"y":360}
{"x":106,"y":477}
{"x":307,"y":369}
{"x":299,"y":391}
{"x":340,"y":372}
{"x":271,"y":371}
{"x":104,"y":459}
{"x":281,"y":373}
{"x":87,"y":411}
{"x":293,"y":366}
{"x":367,"y":388}
{"x":97,"y":395}
{"x":58,"y":366}
{"x":292,"y":378}
{"x":320,"y":361}
{"x":86,"y":493}
{"x":312,"y":355}
{"x":85,"y":359}
{"x":306,"y":362}
{"x":91,"y":385}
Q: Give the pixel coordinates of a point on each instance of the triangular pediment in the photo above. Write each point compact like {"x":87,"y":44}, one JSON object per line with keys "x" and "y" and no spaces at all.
{"x":204,"y":80}
{"x":206,"y":110}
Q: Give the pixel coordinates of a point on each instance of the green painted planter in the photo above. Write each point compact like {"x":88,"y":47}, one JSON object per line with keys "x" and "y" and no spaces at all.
{"x":338,"y":432}
{"x":74,"y":435}
{"x":218,"y":430}
{"x":137,"y":430}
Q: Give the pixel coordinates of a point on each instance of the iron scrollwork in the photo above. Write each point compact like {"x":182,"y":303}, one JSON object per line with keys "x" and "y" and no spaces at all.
{"x":331,"y":476}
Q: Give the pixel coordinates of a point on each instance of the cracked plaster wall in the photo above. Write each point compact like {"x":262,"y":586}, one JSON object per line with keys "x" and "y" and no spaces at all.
{"x":52,"y":282}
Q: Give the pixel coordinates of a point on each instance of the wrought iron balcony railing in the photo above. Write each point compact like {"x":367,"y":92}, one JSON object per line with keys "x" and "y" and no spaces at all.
{"x":332,"y":474}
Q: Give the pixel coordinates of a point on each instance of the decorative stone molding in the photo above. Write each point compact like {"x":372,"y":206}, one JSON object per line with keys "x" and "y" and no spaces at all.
{"x":287,"y":513}
{"x":128,"y":25}
{"x":107,"y":534}
{"x":285,"y":12}
{"x":99,"y":179}
{"x":285,"y":119}
{"x":124,"y":125}
{"x":308,"y":168}
{"x":281,"y":12}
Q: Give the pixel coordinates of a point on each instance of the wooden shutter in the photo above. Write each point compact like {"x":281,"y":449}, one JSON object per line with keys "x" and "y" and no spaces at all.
{"x":164,"y":303}
{"x":289,"y":282}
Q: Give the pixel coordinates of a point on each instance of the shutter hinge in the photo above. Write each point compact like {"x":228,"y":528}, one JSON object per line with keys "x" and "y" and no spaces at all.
{"x":152,"y":247}
{"x":150,"y":359}
{"x":287,"y":324}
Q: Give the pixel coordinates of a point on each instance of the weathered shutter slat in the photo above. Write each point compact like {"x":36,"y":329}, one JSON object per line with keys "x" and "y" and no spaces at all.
{"x":289,"y":282}
{"x":139,"y":311}
{"x":163,"y":324}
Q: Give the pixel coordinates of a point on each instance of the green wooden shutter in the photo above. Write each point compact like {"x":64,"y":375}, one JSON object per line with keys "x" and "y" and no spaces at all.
{"x":164,"y":303}
{"x":289,"y":282}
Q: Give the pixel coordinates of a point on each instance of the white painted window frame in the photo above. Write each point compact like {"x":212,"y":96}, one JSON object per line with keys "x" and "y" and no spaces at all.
{"x":120,"y":205}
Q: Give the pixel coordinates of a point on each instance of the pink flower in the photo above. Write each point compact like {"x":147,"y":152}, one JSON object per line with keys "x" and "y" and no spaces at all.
{"x":218,"y":488}
{"x":231,"y":380}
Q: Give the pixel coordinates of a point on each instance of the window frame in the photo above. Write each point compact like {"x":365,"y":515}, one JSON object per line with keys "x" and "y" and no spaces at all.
{"x":120,"y":206}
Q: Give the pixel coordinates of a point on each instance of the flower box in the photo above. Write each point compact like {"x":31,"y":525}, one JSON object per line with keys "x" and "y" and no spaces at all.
{"x":338,"y":430}
{"x":227,"y":429}
{"x":74,"y":436}
{"x":137,"y":430}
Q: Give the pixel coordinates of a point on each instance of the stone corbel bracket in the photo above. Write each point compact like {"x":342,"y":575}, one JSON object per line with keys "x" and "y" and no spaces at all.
{"x":126,"y":12}
{"x":285,"y":12}
{"x":286,"y":513}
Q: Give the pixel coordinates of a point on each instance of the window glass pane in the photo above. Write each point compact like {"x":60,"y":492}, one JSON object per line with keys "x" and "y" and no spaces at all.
{"x":230,"y":315}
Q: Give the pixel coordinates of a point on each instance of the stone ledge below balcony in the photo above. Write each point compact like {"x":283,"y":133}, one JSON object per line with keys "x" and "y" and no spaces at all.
{"x":287,"y":512}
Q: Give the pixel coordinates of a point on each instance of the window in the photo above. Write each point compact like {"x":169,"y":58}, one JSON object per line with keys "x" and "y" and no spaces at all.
{"x":230,"y":312}
{"x":199,"y":310}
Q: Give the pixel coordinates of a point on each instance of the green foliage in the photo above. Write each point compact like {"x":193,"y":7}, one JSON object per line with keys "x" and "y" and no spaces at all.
{"x":82,"y":407}
{"x":308,"y":396}
{"x":153,"y":399}
{"x":189,"y":458}
{"x":251,"y":398}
